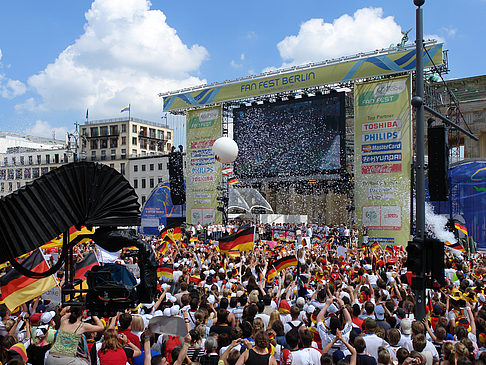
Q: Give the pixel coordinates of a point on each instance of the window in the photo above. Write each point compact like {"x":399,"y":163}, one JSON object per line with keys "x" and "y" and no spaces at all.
{"x":135,"y":183}
{"x":160,"y":134}
{"x":144,"y":185}
{"x":151,"y":183}
{"x":124,"y":128}
{"x":18,"y":174}
{"x":160,"y":166}
{"x":143,"y":167}
{"x":2,"y":187}
{"x":104,"y":143}
{"x":160,"y":180}
{"x":3,"y":174}
{"x":113,"y":154}
{"x":104,"y":131}
{"x":5,"y":161}
{"x":44,"y":170}
{"x":18,"y":184}
{"x":113,"y":142}
{"x":114,"y":130}
{"x":143,"y":199}
{"x":135,"y":168}
{"x":84,"y":132}
{"x":124,"y":140}
{"x":169,"y":135}
{"x":151,"y":132}
{"x":134,"y":153}
{"x":93,"y":144}
{"x":10,"y":174}
{"x":134,"y":128}
{"x":94,"y":131}
{"x":134,"y":140}
{"x":152,"y":145}
{"x":14,"y":161}
{"x":35,"y":172}
{"x":168,"y":146}
{"x":144,"y":153}
{"x":151,"y":167}
{"x":48,"y":159}
{"x":123,"y":153}
{"x":143,"y":144}
{"x":56,"y":158}
{"x":31,"y":162}
{"x":10,"y":186}
{"x":122,"y":168}
{"x":27,"y":174}
{"x":143,"y":131}
{"x":93,"y":155}
{"x":39,"y":159}
{"x":103,"y":155}
{"x":22,"y":160}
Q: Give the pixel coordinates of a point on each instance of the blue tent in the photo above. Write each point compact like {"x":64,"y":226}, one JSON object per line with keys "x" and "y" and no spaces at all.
{"x":467,"y":186}
{"x":159,"y":209}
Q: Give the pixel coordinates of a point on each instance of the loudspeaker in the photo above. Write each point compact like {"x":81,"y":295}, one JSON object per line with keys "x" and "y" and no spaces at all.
{"x":438,"y":163}
{"x":176,"y":178}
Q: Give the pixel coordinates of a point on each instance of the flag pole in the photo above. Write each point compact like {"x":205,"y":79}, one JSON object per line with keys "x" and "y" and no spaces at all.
{"x":129,"y":111}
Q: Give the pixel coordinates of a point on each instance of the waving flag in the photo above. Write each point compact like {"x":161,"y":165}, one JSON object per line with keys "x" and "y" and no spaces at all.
{"x":461,"y":228}
{"x":227,"y":170}
{"x":455,"y":246}
{"x":241,"y":240}
{"x":271,"y":274}
{"x":171,"y":233}
{"x":284,"y":262}
{"x":375,"y":246}
{"x":166,"y":270}
{"x":125,"y":109}
{"x":73,"y":233}
{"x":85,"y":265}
{"x":233,"y":181}
{"x":163,"y":247}
{"x":17,"y":289}
{"x":389,"y":249}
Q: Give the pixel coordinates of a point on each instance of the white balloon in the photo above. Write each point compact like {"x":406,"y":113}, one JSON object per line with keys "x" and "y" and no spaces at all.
{"x":225,"y":150}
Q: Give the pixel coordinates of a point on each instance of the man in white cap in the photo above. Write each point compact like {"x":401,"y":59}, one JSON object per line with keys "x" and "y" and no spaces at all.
{"x":406,"y":334}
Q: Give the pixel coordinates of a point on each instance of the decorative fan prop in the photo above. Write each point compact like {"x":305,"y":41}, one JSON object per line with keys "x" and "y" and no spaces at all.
{"x":76,"y":194}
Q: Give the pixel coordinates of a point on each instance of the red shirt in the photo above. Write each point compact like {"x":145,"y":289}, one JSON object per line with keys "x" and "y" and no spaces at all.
{"x":112,"y":357}
{"x":131,"y":336}
{"x":358,"y":322}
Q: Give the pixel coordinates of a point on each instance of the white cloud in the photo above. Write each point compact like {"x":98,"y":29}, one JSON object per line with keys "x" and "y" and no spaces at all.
{"x":367,"y":29}
{"x":127,"y":54}
{"x":9,"y":88}
{"x":44,"y":129}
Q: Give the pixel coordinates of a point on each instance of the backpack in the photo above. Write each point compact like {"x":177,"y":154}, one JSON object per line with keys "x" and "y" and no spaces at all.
{"x":171,"y":343}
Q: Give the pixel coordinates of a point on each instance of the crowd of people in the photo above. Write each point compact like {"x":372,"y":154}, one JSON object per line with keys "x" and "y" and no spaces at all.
{"x":341,"y":303}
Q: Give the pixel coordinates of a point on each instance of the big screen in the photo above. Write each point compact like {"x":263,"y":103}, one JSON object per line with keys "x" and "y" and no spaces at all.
{"x":299,"y":137}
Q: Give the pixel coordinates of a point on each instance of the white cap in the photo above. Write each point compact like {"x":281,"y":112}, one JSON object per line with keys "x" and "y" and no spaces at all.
{"x":165,"y":259}
{"x":211,"y":299}
{"x":167,"y":312}
{"x":158,"y":312}
{"x":367,"y":267}
{"x":310,"y":309}
{"x":174,"y":310}
{"x":221,"y":270}
{"x":47,"y":317}
{"x":176,"y":265}
{"x":231,"y":265}
{"x":170,"y":298}
{"x":212,"y":272}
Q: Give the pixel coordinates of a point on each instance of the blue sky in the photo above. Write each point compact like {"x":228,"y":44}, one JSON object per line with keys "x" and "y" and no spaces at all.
{"x":58,"y":58}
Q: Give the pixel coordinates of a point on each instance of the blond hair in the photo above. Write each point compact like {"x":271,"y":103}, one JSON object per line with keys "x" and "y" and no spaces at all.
{"x":110,"y":341}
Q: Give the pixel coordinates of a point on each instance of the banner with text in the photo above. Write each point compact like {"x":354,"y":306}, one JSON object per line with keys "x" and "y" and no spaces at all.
{"x":382,"y":150}
{"x":307,"y":76}
{"x":203,"y":171}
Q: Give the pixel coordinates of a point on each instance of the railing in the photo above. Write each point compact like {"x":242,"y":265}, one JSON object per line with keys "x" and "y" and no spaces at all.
{"x":126,"y":119}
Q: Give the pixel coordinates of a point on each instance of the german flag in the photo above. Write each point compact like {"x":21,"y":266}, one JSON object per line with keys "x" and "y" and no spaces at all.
{"x":233,"y":181}
{"x":271,"y":274}
{"x":73,"y":233}
{"x":389,"y":249}
{"x":241,"y":240}
{"x":375,"y":246}
{"x":196,"y":279}
{"x":284,"y":263}
{"x":455,"y":246}
{"x":316,"y":239}
{"x":85,"y":265}
{"x":166,"y":270}
{"x":183,"y":244}
{"x":234,"y":253}
{"x":193,"y":239}
{"x":163,"y":247}
{"x":171,"y":233}
{"x":461,"y":228}
{"x":17,"y":289}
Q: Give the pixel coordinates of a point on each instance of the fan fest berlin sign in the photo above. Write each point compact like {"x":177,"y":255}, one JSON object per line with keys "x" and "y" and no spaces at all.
{"x":382,"y":140}
{"x":385,"y":64}
{"x":203,"y":171}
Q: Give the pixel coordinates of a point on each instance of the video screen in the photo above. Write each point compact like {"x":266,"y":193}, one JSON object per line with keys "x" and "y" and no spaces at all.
{"x":298,"y":137}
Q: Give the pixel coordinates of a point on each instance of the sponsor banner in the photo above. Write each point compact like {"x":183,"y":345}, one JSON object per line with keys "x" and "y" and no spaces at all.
{"x":383,"y":158}
{"x":381,"y":147}
{"x":204,"y":173}
{"x":373,"y":65}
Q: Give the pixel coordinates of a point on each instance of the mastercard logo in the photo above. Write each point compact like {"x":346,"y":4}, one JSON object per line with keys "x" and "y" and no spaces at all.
{"x":366,"y":148}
